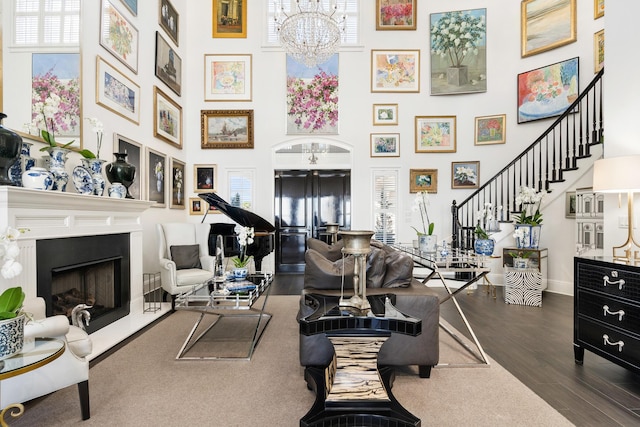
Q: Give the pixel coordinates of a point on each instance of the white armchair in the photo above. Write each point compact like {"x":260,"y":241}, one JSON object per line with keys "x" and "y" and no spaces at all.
{"x":72,"y":367}
{"x":183,"y":250}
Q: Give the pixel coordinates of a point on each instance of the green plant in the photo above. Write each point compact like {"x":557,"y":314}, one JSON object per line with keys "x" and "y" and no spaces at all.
{"x":11,"y":302}
{"x":420,"y":204}
{"x":480,"y":232}
{"x":520,"y":254}
{"x":50,"y":139}
{"x":529,"y":199}
{"x":245,"y":237}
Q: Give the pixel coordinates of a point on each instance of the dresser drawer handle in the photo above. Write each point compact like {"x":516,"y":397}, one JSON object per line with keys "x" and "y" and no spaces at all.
{"x":619,"y":313}
{"x":620,"y":343}
{"x":606,"y":281}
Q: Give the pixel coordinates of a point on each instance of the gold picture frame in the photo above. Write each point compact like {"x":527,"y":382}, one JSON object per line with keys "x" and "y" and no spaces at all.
{"x":396,"y":70}
{"x":111,"y":84}
{"x":176,"y":183}
{"x":385,"y":114}
{"x":598,"y":9}
{"x":205,"y":178}
{"x":226,"y":128}
{"x":547,"y":25}
{"x":435,"y":134}
{"x":231,"y":25}
{"x":393,"y":17}
{"x":490,"y":129}
{"x":598,"y":51}
{"x":197,"y":206}
{"x":167,"y":118}
{"x":423,"y":180}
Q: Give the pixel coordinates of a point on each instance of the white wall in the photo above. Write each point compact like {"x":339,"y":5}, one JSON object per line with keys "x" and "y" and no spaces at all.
{"x":504,"y":63}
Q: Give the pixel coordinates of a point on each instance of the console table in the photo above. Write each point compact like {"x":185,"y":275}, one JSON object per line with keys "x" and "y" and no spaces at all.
{"x":352,"y":390}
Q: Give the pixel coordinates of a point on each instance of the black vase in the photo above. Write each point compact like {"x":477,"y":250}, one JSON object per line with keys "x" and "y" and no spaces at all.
{"x":121,"y":171}
{"x":10,"y":146}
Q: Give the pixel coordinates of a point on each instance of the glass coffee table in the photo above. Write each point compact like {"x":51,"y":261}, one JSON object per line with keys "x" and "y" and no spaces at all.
{"x":232,"y":318}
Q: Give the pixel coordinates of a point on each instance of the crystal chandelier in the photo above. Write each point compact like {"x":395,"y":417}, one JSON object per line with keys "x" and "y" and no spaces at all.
{"x":309,"y":33}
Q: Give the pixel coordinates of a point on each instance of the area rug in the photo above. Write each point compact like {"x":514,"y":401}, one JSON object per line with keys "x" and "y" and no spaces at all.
{"x":142,"y":384}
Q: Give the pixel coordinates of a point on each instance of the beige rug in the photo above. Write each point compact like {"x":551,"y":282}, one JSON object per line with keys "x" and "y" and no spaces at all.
{"x":143,"y":385}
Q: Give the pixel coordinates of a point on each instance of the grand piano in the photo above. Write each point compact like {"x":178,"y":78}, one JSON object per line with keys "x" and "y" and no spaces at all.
{"x":264,"y":238}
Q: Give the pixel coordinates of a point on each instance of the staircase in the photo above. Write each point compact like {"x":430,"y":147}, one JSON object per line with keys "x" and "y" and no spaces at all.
{"x":545,"y":162}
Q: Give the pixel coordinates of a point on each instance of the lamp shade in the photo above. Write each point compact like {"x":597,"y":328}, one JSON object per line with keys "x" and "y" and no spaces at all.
{"x":617,"y":175}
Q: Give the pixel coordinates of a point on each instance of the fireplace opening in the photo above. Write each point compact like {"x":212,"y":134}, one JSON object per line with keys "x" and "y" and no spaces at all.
{"x":92,"y":270}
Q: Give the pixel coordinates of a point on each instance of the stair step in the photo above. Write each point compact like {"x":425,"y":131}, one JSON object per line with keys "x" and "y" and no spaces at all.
{"x":551,"y":181}
{"x":570,"y":169}
{"x":586,"y":156}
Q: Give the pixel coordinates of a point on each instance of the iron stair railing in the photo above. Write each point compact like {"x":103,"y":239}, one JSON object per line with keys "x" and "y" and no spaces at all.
{"x":543,"y":163}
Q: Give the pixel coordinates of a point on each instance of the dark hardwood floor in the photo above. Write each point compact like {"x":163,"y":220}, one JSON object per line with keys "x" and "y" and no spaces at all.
{"x":535,"y":344}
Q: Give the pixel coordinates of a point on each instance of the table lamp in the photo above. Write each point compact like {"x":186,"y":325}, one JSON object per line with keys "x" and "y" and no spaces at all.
{"x":619,"y":175}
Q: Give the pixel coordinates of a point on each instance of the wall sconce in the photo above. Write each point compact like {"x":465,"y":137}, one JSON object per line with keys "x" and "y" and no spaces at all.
{"x":619,"y":175}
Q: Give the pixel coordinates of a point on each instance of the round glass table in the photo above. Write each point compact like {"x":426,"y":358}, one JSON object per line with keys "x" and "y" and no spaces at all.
{"x":35,"y":353}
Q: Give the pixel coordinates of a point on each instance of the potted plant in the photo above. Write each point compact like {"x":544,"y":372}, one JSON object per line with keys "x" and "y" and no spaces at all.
{"x":245,"y":238}
{"x":427,"y":241}
{"x":484,"y":244}
{"x":520,"y":258}
{"x":528,"y":222}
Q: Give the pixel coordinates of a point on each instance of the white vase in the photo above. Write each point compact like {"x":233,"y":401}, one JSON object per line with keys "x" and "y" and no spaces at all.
{"x":428,"y":243}
{"x":11,"y":336}
{"x":37,"y":179}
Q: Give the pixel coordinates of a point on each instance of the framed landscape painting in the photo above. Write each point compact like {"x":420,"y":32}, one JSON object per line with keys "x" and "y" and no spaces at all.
{"x":546,"y":25}
{"x":229,"y":18}
{"x":169,"y":20}
{"x":435,"y":134}
{"x":167,"y":118}
{"x":396,"y":15}
{"x":385,"y":114}
{"x":116,"y":93}
{"x":119,"y":36}
{"x":176,"y":179}
{"x":226,"y":128}
{"x":395,"y":70}
{"x":465,"y":174}
{"x":156,"y":177}
{"x":547,"y":91}
{"x":423,"y":180}
{"x":491,"y":130}
{"x":168,"y":65}
{"x":313,"y":90}
{"x":385,"y":145}
{"x":227,"y":77}
{"x":135,"y":156}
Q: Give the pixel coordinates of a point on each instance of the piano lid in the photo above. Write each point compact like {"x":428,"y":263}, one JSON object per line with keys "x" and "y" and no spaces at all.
{"x":242,"y":216}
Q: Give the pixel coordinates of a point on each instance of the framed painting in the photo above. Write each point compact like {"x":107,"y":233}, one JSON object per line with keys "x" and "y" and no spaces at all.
{"x":169,"y":20}
{"x":598,"y":9}
{"x":176,"y":183}
{"x":229,"y":18}
{"x":205,"y":178}
{"x":385,"y":145}
{"x":312,"y":89}
{"x":396,"y":14}
{"x":395,"y":71}
{"x":56,"y":74}
{"x":167,"y":118}
{"x":226,"y":128}
{"x":385,"y":114}
{"x":132,"y":5}
{"x":116,"y":93}
{"x":423,"y":180}
{"x":491,"y":130}
{"x":156,"y":177}
{"x":119,"y":36}
{"x":227,"y":77}
{"x":435,"y":134}
{"x":122,"y":144}
{"x":465,"y":174}
{"x":168,"y":65}
{"x":547,"y":91}
{"x":546,"y":25}
{"x":197,"y":206}
{"x":598,"y":51}
{"x":458,"y":67}
{"x":570,"y":204}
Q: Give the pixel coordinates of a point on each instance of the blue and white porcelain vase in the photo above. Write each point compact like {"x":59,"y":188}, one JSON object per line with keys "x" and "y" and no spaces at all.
{"x":117,"y":191}
{"x":37,"y":179}
{"x":57,"y":166}
{"x":484,"y":246}
{"x":428,"y":243}
{"x":11,"y":336}
{"x":527,"y":236}
{"x":240,"y":273}
{"x":94,"y":166}
{"x":25,"y":163}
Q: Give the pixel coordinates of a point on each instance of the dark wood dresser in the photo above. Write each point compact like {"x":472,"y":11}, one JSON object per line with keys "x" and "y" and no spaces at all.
{"x":607,"y":310}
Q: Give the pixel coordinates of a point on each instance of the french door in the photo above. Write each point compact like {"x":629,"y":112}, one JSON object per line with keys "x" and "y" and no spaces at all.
{"x":305,"y":201}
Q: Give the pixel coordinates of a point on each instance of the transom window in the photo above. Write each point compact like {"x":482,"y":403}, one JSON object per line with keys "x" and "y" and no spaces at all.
{"x":46,"y":22}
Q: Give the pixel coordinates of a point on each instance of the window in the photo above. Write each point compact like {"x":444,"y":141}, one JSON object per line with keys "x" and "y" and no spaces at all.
{"x":46,"y":22}
{"x":352,"y":12}
{"x":241,"y":188}
{"x":385,"y":205}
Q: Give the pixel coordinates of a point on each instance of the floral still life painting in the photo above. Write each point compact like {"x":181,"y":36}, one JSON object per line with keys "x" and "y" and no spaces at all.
{"x":228,"y":77}
{"x":491,"y":129}
{"x":547,"y":91}
{"x":465,"y":174}
{"x":312,"y":97}
{"x":119,"y":36}
{"x":396,"y":15}
{"x":55,"y":93}
{"x":435,"y":134}
{"x":395,"y":71}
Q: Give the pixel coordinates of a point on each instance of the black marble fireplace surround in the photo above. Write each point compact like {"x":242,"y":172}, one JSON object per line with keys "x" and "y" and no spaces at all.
{"x":64,"y":255}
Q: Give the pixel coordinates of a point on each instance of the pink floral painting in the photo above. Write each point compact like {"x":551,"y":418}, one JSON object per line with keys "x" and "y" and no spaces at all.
{"x":396,"y":15}
{"x":312,"y":97}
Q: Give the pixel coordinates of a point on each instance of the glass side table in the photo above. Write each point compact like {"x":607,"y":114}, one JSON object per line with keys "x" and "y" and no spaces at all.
{"x":35,"y":354}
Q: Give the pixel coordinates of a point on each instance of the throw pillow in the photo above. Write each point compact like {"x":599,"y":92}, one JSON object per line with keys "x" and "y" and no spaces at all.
{"x":321,"y":273}
{"x":331,"y":252}
{"x":399,"y":270}
{"x":186,"y":256}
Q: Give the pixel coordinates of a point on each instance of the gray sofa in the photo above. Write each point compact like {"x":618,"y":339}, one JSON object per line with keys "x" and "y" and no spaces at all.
{"x":388,"y":271}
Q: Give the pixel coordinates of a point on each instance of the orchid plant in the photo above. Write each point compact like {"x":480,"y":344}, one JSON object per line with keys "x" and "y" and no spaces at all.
{"x":9,"y":251}
{"x":245,"y":238}
{"x":529,"y":200}
{"x":487,"y":222}
{"x":420,"y":204}
{"x":98,"y":128}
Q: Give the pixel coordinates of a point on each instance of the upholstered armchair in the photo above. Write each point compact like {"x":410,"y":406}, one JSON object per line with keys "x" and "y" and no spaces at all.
{"x":184,"y":257}
{"x":72,"y":367}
